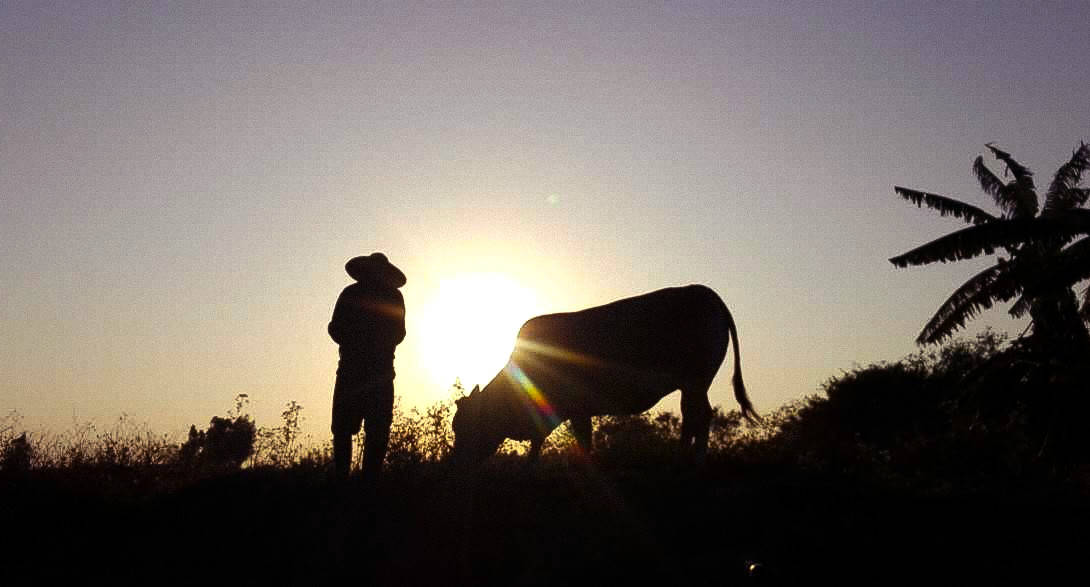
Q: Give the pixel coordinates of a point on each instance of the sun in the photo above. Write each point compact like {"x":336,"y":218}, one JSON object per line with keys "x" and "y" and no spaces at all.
{"x":468,"y":329}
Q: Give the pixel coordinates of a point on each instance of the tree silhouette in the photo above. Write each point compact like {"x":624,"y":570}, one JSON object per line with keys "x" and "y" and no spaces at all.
{"x":1044,"y":260}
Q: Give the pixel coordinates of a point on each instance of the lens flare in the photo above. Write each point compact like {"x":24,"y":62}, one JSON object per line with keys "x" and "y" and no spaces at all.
{"x":541,"y":411}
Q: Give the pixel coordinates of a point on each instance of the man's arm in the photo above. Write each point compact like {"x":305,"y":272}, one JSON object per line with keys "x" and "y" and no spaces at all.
{"x":340,"y":328}
{"x":399,"y":334}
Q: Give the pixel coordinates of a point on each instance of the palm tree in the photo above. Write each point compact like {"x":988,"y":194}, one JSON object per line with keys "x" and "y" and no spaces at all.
{"x":1043,"y":261}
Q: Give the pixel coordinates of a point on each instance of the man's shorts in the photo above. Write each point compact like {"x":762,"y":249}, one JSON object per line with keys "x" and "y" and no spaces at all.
{"x":360,"y":394}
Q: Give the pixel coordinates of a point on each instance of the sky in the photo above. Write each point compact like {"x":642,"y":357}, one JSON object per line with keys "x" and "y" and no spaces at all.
{"x":181,"y":183}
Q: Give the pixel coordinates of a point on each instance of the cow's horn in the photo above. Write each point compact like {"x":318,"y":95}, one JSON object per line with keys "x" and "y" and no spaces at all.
{"x":476,"y":388}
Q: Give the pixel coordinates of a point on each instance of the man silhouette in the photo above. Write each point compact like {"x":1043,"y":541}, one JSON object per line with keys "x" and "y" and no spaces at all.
{"x":368,"y":323}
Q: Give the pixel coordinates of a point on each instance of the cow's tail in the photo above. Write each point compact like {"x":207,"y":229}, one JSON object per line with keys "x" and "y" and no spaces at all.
{"x":739,"y":387}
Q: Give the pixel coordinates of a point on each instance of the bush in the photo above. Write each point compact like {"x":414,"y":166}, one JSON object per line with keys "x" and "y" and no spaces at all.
{"x":635,"y":439}
{"x":421,"y":437}
{"x":16,"y":455}
{"x":282,"y":446}
{"x":1035,"y":401}
{"x":975,"y":407}
{"x":226,"y":444}
{"x":15,"y":451}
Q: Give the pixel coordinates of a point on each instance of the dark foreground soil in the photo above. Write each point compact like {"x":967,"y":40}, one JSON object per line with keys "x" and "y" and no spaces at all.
{"x":553,"y":525}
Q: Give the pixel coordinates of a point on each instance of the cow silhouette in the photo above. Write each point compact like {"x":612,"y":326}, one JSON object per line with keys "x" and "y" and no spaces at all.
{"x":619,"y":358}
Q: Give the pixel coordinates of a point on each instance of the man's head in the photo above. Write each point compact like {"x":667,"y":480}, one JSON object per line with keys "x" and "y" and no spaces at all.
{"x":375,"y":268}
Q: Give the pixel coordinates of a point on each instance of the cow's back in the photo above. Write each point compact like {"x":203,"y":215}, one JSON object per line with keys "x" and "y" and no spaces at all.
{"x":626,"y":355}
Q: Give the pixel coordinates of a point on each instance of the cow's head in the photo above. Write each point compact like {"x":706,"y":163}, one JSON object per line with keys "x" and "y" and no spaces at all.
{"x":475,"y":437}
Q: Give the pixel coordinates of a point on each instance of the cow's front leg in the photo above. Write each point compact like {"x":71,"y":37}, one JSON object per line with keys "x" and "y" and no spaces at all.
{"x":581,"y":429}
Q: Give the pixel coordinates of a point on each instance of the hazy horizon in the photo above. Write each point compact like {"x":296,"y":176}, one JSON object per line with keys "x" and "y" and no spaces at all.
{"x":181,"y":186}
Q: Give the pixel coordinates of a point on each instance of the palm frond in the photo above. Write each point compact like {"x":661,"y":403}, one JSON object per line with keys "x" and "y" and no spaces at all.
{"x":991,"y":184}
{"x":1008,"y":196}
{"x":1021,"y":306}
{"x":944,"y":205}
{"x":1063,"y":193}
{"x":1019,"y":171}
{"x":984,"y":239}
{"x":1079,"y":196}
{"x":1022,"y":192}
{"x":1084,"y":309}
{"x":981,"y":292}
{"x":1065,"y":270}
{"x":966,"y":243}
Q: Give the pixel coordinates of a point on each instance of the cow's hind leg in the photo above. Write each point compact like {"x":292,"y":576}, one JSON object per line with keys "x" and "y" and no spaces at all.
{"x":696,"y":418}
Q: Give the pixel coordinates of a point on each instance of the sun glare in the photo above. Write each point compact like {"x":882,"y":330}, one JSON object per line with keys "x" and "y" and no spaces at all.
{"x":468,"y":329}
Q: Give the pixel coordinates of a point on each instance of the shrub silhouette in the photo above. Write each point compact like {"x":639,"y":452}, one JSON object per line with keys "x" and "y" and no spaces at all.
{"x":1036,"y":398}
{"x":406,"y":446}
{"x":15,"y":451}
{"x":635,"y":439}
{"x":282,"y":446}
{"x":226,"y":444}
{"x":867,"y":415}
{"x":421,"y":436}
{"x":16,"y":455}
{"x":971,"y":407}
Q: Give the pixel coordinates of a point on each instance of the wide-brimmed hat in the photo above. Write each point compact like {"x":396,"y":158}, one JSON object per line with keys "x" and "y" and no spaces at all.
{"x":375,"y":267}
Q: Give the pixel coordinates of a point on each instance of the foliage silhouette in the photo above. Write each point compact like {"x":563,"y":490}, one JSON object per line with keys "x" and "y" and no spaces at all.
{"x":227,"y":442}
{"x":1042,"y":265}
{"x":281,"y":446}
{"x":968,"y":413}
{"x":17,"y":454}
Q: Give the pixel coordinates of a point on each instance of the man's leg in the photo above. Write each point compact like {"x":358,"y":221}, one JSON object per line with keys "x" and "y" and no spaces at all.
{"x":347,"y":416}
{"x":376,"y":425}
{"x":342,"y":454}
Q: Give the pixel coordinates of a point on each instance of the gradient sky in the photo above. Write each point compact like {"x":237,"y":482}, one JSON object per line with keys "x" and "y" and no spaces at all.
{"x":181,"y":184}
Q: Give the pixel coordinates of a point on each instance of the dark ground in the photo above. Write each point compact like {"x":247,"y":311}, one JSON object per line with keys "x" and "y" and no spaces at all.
{"x":554,"y":525}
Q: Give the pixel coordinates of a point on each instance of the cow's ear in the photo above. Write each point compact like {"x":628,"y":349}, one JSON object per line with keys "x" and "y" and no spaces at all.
{"x":476,"y":390}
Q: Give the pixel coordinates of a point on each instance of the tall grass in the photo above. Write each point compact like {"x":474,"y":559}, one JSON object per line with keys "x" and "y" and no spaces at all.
{"x":123,"y":443}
